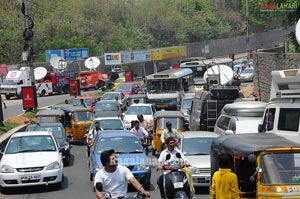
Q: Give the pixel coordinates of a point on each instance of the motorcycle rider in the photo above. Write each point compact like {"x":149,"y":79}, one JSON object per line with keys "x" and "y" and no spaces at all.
{"x":172,"y":150}
{"x":170,"y":132}
{"x":114,"y":178}
{"x":143,"y":123}
{"x":141,"y":133}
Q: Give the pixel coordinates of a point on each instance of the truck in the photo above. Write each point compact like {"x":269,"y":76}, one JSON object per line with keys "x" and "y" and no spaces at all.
{"x":91,"y":79}
{"x":282,"y":113}
{"x":54,"y":83}
{"x":14,"y":81}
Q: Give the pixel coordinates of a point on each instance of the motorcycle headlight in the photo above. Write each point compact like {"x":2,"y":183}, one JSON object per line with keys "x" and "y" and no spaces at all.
{"x":53,"y":165}
{"x":7,"y":169}
{"x":98,"y":167}
{"x":143,"y":167}
{"x":195,"y":170}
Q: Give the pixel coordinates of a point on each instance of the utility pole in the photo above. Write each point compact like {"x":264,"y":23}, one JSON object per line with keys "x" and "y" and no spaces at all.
{"x":27,"y":54}
{"x":247,"y":29}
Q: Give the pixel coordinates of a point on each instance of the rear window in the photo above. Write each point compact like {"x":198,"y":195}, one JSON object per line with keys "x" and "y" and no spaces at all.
{"x":289,"y":119}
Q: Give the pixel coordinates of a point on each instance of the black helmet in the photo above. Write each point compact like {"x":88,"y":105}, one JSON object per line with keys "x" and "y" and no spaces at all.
{"x":140,"y":116}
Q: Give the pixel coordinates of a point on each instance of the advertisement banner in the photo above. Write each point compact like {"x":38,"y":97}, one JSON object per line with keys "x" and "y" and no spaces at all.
{"x":112,"y":58}
{"x":136,"y":56}
{"x":3,"y":70}
{"x":74,"y":87}
{"x":168,"y":53}
{"x":68,"y":54}
{"x":29,"y":97}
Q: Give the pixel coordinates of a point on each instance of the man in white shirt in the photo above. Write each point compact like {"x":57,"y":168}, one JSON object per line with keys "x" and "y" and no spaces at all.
{"x":91,"y":136}
{"x":140,"y":132}
{"x":114,"y":178}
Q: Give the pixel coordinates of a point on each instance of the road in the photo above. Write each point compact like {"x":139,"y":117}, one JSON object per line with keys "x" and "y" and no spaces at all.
{"x":77,"y":184}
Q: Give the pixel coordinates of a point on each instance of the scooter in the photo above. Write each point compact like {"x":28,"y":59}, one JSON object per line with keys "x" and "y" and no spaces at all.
{"x":175,"y":182}
{"x":138,"y":195}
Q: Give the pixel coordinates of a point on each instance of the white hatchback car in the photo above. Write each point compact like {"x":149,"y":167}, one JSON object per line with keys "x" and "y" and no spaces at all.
{"x":147,"y":110}
{"x":31,"y":158}
{"x":195,"y":147}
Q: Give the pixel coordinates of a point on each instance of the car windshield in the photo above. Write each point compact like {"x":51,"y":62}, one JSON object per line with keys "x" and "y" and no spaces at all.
{"x":57,"y":131}
{"x":121,"y":145}
{"x":186,"y":103}
{"x":196,"y":146}
{"x":177,"y":123}
{"x":110,"y":96}
{"x":112,"y":106}
{"x":248,"y":70}
{"x":82,"y":116}
{"x":28,"y":144}
{"x":134,"y":110}
{"x":280,"y":168}
{"x":76,"y":102}
{"x":109,"y":124}
{"x":122,"y":88}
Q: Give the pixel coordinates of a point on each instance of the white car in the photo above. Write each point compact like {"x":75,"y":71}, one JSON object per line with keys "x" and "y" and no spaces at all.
{"x":108,"y":123}
{"x":147,"y":110}
{"x":195,"y":147}
{"x":31,"y":158}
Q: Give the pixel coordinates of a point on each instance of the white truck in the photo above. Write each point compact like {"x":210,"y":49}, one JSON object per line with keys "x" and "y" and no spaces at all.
{"x":282,"y":113}
{"x":13,"y":82}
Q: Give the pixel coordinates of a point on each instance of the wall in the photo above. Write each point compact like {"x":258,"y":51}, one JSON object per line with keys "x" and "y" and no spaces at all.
{"x":265,"y":62}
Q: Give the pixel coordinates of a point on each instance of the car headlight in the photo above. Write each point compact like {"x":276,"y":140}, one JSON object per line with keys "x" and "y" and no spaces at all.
{"x":143,"y":167}
{"x":99,"y":167}
{"x":195,"y":170}
{"x":7,"y":169}
{"x":53,"y":165}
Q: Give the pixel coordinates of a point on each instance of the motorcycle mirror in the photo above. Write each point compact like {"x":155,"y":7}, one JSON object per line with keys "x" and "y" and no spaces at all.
{"x":168,"y":157}
{"x":178,"y":155}
{"x":99,"y":186}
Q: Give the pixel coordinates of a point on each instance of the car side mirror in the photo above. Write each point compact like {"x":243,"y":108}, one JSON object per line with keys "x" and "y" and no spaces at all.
{"x":229,"y":132}
{"x":260,"y":128}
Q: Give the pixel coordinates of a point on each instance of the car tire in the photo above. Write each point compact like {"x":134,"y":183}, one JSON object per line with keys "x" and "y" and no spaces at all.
{"x":59,"y":185}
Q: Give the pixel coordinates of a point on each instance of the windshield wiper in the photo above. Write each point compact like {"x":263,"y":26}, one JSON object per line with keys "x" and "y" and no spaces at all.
{"x":28,"y":150}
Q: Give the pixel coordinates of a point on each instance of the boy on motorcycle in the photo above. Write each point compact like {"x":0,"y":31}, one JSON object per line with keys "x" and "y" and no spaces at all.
{"x":172,"y":150}
{"x":114,"y":178}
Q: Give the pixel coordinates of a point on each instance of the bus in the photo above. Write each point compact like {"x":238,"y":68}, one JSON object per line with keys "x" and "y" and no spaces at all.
{"x":166,"y":89}
{"x":199,"y":66}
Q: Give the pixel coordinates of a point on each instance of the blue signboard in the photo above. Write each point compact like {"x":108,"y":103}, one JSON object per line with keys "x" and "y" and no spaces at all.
{"x":68,"y":54}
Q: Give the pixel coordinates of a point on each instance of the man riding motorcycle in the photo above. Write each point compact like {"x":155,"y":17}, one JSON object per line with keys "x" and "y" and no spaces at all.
{"x":141,"y":133}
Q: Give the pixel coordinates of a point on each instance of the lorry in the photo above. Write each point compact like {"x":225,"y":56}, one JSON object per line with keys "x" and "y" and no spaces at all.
{"x":282,"y":112}
{"x":14,"y":81}
{"x":91,"y":79}
{"x":54,"y":82}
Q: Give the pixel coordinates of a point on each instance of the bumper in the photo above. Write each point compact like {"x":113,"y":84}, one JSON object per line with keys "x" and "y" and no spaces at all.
{"x":201,"y":180}
{"x":19,"y":179}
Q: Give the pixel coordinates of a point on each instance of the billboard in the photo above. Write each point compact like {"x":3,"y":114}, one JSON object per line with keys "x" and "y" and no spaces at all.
{"x":29,"y":97}
{"x":136,"y":56}
{"x":112,"y":58}
{"x":68,"y":54}
{"x":168,"y":52}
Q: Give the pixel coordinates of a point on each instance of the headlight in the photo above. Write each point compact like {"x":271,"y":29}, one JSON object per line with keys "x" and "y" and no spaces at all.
{"x":98,"y":167}
{"x":53,"y":165}
{"x":7,"y":169}
{"x":143,"y":167}
{"x":195,"y":170}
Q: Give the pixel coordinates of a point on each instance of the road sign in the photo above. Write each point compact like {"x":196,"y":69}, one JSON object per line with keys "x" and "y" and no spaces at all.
{"x":68,"y":54}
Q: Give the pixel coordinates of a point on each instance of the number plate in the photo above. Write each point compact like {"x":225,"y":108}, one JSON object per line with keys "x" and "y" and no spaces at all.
{"x":30,"y":177}
{"x":178,"y":185}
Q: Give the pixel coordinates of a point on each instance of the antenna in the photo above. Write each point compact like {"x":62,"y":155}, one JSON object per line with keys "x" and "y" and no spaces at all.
{"x":223,"y":72}
{"x":92,"y":63}
{"x":40,"y":73}
{"x":58,"y":63}
{"x":297,"y":31}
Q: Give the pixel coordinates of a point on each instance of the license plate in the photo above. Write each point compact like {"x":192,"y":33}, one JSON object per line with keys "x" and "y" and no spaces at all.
{"x":178,"y":185}
{"x":30,"y":177}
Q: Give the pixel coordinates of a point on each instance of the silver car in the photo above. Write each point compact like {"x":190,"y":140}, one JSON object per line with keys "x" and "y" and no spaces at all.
{"x":247,"y":75}
{"x":196,"y":148}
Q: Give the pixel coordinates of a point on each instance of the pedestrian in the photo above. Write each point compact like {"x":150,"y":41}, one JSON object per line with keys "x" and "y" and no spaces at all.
{"x":224,"y":182}
{"x":3,"y":102}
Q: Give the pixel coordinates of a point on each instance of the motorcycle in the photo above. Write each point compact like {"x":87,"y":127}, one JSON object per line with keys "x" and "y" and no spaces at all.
{"x":107,"y":195}
{"x":175,"y":182}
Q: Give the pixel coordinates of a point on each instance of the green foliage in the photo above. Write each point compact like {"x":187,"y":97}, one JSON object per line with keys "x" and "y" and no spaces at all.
{"x":115,"y":25}
{"x":7,"y":126}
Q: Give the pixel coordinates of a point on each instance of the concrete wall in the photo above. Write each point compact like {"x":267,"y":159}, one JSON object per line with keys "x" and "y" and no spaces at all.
{"x":265,"y":62}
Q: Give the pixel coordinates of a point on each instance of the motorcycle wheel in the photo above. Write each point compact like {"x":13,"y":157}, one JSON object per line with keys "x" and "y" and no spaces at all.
{"x":180,"y":194}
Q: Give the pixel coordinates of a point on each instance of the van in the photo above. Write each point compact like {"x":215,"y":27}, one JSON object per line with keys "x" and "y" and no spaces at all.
{"x":207,"y":105}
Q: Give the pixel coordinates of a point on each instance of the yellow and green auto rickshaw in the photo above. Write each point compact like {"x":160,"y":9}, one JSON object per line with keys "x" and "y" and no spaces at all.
{"x":160,"y":119}
{"x":78,"y":121}
{"x":267,"y":165}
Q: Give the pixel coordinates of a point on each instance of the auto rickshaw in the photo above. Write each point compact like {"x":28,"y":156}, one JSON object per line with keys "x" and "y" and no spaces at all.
{"x":78,"y":121}
{"x":50,"y":116}
{"x":267,"y":165}
{"x":160,"y":119}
